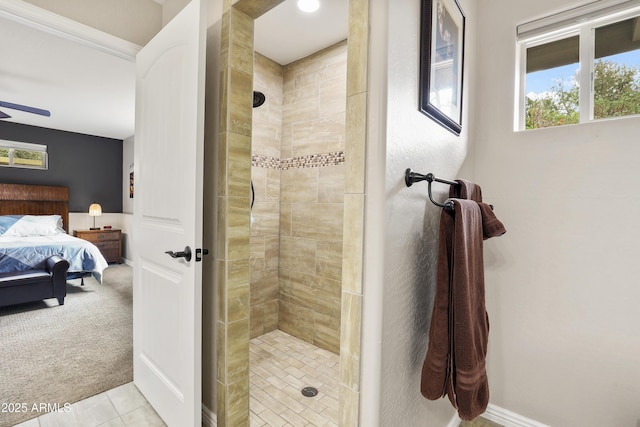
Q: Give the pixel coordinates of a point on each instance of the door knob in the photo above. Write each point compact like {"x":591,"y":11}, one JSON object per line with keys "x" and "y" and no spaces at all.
{"x":186,"y":254}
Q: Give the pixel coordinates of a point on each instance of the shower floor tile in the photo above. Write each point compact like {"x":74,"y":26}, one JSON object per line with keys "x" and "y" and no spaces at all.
{"x":280,"y":367}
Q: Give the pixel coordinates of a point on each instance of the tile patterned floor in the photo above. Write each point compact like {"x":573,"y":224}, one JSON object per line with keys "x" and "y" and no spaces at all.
{"x":281,"y":366}
{"x":118,"y":407}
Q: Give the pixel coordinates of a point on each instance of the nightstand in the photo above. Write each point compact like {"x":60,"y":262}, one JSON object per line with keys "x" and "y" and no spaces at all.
{"x":108,"y":241}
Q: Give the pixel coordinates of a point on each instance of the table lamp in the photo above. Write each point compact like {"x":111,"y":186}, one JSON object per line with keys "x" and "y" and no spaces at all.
{"x":95,"y":210}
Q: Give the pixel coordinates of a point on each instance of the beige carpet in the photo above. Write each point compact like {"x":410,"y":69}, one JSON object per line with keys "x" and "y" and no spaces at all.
{"x":52,"y":354}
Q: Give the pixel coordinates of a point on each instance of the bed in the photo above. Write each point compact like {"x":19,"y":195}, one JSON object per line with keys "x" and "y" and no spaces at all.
{"x":34,"y":221}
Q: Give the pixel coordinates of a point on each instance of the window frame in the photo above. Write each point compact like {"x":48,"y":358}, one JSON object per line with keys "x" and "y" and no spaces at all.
{"x":25,"y":146}
{"x":583,"y":22}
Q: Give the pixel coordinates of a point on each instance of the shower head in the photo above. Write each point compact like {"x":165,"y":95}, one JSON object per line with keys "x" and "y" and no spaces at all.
{"x":258,"y":99}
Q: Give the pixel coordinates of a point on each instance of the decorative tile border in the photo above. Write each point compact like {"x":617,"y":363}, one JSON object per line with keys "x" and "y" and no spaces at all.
{"x":265,"y":161}
{"x":311,"y":161}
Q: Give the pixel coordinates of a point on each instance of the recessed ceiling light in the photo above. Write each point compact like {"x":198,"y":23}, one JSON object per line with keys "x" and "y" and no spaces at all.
{"x":308,"y":5}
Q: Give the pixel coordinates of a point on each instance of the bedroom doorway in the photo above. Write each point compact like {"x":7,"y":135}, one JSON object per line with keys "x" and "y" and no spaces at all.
{"x":174,"y":361}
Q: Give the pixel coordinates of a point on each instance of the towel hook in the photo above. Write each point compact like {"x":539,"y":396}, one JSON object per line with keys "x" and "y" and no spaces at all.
{"x":411,"y":177}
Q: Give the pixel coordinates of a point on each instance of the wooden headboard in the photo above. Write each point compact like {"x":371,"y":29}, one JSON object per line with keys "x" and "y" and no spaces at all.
{"x":21,"y":199}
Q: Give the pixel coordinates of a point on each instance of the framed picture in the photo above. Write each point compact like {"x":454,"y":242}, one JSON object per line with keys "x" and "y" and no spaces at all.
{"x":131,"y":185}
{"x":442,"y":62}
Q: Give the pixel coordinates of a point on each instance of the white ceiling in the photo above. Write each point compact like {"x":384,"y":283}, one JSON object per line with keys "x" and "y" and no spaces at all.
{"x":92,"y":92}
{"x":286,"y":34}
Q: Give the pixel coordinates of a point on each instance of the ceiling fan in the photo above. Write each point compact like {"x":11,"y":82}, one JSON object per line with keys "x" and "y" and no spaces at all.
{"x":33,"y":110}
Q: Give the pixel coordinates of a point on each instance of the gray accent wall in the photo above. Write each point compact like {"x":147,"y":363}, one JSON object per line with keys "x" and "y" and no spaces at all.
{"x":90,"y":166}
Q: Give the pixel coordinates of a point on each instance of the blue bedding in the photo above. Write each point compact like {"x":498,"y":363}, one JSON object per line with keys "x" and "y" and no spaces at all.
{"x":27,"y":253}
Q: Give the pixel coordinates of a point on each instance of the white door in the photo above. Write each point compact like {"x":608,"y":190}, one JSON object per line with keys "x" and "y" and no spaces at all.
{"x":167,"y":292}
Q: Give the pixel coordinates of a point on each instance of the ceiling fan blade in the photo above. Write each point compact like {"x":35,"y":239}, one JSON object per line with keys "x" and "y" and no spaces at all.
{"x":25,"y":108}
{"x":4,"y":115}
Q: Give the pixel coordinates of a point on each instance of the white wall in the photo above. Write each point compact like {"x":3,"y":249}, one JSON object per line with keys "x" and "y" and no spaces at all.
{"x":562,"y":284}
{"x":401,"y":223}
{"x":124,"y":222}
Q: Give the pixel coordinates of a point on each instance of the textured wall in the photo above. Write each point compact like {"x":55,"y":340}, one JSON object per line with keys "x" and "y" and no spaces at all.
{"x":562,"y":288}
{"x":401,"y":224}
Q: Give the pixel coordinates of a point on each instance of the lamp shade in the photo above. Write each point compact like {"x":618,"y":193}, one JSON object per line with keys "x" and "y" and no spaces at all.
{"x":95,"y":209}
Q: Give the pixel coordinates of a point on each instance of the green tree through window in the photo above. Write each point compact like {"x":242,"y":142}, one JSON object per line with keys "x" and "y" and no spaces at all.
{"x":616,"y":94}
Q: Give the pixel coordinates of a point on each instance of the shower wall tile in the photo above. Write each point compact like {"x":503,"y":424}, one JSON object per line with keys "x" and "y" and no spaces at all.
{"x":331,"y":184}
{"x":358,"y":47}
{"x":238,"y":346}
{"x":259,"y":180}
{"x":257,"y":253}
{"x":270,"y":316}
{"x":237,"y":290}
{"x":221,"y":240}
{"x":266,"y":138}
{"x":353,"y":242}
{"x":221,"y":345}
{"x":267,"y":119}
{"x":355,"y":143}
{"x":254,"y":8}
{"x":298,"y":254}
{"x":329,"y":260}
{"x":318,"y":135}
{"x":256,"y":321}
{"x":305,"y":112}
{"x":272,"y":251}
{"x":319,"y":221}
{"x":350,"y":345}
{"x":295,"y":320}
{"x":349,"y":406}
{"x":241,"y":45}
{"x":333,"y":97}
{"x":239,"y":165}
{"x":237,"y":231}
{"x":327,"y":332}
{"x":266,"y":218}
{"x":264,"y":286}
{"x":285,"y":219}
{"x":312,"y":292}
{"x":238,"y":399}
{"x":314,"y":103}
{"x":272,"y":187}
{"x":312,"y":191}
{"x":265,"y":174}
{"x":240,"y":101}
{"x":299,"y":185}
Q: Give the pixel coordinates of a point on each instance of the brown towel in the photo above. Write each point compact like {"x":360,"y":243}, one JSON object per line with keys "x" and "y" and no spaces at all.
{"x":458,"y":335}
{"x":466,"y":190}
{"x":491,"y":226}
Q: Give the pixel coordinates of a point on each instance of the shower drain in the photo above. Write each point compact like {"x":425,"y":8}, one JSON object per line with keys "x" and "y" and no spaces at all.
{"x":309,"y":391}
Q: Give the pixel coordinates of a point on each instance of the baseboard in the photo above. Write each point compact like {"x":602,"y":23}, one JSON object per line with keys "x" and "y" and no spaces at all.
{"x":503,"y":417}
{"x":209,"y":418}
{"x":128,"y":262}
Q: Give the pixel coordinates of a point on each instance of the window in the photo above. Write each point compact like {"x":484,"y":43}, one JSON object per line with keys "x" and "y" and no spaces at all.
{"x":579,"y":66}
{"x":23,"y":155}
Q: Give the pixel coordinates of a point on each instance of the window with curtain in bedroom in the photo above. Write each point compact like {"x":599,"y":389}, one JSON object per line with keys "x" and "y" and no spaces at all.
{"x":580,"y":65}
{"x":23,"y":155}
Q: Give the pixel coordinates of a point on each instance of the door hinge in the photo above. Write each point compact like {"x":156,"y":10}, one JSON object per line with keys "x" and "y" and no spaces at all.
{"x":200,"y":252}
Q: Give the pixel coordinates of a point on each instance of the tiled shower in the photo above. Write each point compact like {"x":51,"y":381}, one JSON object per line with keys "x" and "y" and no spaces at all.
{"x":298,"y":140}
